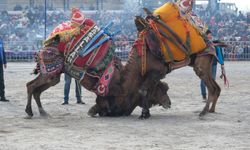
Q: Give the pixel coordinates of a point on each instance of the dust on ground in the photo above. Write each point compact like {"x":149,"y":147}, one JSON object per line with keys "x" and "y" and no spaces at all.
{"x":69,"y":127}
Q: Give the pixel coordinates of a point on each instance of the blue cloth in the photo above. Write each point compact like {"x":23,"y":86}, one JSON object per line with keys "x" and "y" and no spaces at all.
{"x":78,"y":89}
{"x":2,"y":86}
{"x":219,"y":54}
{"x":2,"y":53}
{"x":2,"y":61}
{"x":202,"y":83}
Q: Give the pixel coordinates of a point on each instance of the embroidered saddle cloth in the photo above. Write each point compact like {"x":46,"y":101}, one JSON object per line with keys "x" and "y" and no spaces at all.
{"x":86,"y":48}
{"x":190,"y":36}
{"x":49,"y":61}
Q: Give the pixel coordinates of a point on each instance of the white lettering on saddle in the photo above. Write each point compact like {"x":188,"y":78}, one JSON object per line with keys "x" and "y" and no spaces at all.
{"x":71,"y":58}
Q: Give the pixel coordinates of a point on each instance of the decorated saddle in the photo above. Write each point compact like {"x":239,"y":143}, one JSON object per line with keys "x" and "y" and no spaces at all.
{"x":187,"y":32}
{"x":87,"y":50}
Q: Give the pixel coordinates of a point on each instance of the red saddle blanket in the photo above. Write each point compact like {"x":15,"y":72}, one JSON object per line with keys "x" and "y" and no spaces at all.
{"x":73,"y":40}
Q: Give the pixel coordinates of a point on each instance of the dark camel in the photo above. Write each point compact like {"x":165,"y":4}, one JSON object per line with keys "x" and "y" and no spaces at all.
{"x":202,"y":65}
{"x":156,"y":69}
{"x":116,"y":91}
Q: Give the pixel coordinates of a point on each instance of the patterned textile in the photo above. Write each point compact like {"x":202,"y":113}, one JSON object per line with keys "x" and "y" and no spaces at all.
{"x":77,"y":17}
{"x":185,"y":5}
{"x":188,"y":34}
{"x":102,"y":88}
{"x":87,"y":49}
{"x":185,"y":8}
{"x":65,"y":31}
{"x":50,"y":61}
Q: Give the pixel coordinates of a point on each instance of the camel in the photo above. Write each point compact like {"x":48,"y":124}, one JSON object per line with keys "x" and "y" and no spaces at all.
{"x":154,"y":67}
{"x":44,"y":81}
{"x":138,"y":82}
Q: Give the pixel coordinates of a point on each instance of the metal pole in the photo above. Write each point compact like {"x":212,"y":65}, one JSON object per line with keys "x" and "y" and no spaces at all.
{"x":101,"y":4}
{"x":97,"y":4}
{"x":45,"y":18}
{"x":64,"y":5}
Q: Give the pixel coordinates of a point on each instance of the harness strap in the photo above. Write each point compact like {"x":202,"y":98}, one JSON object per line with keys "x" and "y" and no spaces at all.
{"x":143,"y":59}
{"x":165,"y":26}
{"x":224,"y":77}
{"x":96,"y":45}
{"x":92,"y":57}
{"x":143,"y":52}
{"x":164,"y":46}
{"x":170,"y":54}
{"x":188,"y":39}
{"x":173,"y":41}
{"x":83,"y":51}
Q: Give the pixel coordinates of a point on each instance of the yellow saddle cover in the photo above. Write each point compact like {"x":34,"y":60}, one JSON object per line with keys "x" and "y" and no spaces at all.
{"x":169,"y":13}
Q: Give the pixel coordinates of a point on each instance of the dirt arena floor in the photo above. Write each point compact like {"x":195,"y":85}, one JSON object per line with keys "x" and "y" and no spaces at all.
{"x":178,"y":128}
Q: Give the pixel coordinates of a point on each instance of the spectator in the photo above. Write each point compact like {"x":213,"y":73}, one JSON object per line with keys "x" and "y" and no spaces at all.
{"x":214,"y":64}
{"x":3,"y":63}
{"x":78,"y":92}
{"x":18,"y":27}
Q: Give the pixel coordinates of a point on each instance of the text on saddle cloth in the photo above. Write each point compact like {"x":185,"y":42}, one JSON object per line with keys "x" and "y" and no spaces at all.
{"x":93,"y":42}
{"x":92,"y":45}
{"x":75,"y":48}
{"x":89,"y":41}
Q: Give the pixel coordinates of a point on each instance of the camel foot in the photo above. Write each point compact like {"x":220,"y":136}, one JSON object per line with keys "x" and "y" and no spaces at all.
{"x":203,"y":113}
{"x":43,"y":113}
{"x":29,"y":112}
{"x":93,"y":111}
{"x":211,"y":111}
{"x":145,"y":114}
{"x":28,"y":117}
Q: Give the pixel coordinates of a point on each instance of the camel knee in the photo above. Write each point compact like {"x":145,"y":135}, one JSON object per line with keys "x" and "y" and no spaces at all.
{"x":218,"y":91}
{"x":143,"y":92}
{"x":198,"y":71}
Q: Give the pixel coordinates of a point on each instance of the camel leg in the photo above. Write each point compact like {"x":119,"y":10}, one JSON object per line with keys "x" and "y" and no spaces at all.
{"x":36,"y":94}
{"x":35,"y":88}
{"x":94,"y":110}
{"x":216,"y":96}
{"x":31,"y":86}
{"x":152,"y":80}
{"x":203,"y":69}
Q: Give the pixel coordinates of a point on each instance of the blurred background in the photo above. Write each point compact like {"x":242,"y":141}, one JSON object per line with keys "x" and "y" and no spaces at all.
{"x":24,"y":24}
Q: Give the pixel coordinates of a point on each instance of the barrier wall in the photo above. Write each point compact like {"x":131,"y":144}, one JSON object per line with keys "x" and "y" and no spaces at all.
{"x":237,"y":51}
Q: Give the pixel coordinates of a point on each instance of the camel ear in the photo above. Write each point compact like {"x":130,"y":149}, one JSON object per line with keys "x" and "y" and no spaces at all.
{"x":140,"y":23}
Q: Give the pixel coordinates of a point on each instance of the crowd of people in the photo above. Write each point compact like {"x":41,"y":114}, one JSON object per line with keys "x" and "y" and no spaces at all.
{"x":28,"y":25}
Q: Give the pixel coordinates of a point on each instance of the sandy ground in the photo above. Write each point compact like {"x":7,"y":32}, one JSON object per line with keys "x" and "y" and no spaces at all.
{"x":69,"y":127}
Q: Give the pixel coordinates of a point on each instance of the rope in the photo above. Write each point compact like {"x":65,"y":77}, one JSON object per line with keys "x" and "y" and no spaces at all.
{"x":224,"y":77}
{"x":143,"y":58}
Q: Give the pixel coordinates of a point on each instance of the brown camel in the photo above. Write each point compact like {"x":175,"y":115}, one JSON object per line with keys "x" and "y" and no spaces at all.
{"x":136,"y":88}
{"x":155,"y":68}
{"x":43,"y":81}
